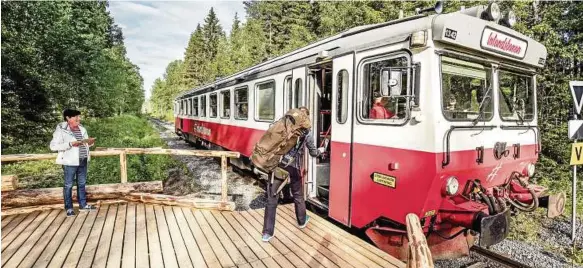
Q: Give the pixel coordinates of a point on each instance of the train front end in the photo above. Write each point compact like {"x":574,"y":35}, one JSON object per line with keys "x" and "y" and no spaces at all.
{"x":482,"y":83}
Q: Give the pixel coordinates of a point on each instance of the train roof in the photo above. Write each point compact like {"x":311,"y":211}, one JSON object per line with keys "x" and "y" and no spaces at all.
{"x":471,"y":33}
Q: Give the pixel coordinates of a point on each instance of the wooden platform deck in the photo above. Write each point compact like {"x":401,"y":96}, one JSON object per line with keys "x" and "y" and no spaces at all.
{"x":138,"y":235}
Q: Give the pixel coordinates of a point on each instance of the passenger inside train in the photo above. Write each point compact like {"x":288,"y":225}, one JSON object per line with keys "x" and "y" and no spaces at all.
{"x":379,"y":110}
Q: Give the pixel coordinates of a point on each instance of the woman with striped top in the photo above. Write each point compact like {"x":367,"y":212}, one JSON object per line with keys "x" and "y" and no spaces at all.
{"x":70,"y":139}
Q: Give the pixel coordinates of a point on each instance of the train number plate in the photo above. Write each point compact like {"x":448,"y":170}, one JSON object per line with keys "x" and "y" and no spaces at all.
{"x":385,"y":180}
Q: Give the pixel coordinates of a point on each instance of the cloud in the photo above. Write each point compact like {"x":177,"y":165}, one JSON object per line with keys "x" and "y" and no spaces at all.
{"x":157,"y":33}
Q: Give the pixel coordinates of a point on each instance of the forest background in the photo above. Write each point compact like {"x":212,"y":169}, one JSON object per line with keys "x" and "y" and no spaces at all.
{"x":72,"y":54}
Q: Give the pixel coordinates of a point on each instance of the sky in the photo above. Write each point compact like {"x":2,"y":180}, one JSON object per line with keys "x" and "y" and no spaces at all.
{"x":157,"y":32}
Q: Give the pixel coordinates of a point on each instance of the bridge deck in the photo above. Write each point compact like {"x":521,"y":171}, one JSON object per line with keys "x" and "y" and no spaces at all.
{"x":138,"y":235}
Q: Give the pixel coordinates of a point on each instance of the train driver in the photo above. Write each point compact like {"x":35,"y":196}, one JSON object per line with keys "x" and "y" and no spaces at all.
{"x":378,"y":110}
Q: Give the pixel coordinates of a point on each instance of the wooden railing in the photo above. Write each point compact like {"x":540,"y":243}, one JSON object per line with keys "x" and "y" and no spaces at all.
{"x":123,"y":152}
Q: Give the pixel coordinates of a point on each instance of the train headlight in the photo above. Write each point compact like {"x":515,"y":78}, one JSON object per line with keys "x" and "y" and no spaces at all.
{"x":509,"y":19}
{"x":529,"y":170}
{"x":493,"y":12}
{"x":451,"y":186}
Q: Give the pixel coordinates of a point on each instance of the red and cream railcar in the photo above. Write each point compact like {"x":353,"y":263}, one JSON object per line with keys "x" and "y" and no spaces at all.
{"x":458,"y":150}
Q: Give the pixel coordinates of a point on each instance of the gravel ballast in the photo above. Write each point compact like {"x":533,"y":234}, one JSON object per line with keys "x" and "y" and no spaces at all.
{"x":203,"y":179}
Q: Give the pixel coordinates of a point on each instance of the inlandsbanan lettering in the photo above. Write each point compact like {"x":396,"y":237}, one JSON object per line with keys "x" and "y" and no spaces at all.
{"x":504,"y":45}
{"x":202,"y":130}
{"x":500,"y":42}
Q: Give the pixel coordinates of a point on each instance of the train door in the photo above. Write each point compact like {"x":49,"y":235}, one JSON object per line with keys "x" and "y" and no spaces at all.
{"x":341,"y":138}
{"x":320,"y":90}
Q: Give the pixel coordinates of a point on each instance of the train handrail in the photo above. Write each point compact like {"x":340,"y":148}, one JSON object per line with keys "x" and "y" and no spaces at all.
{"x":447,"y":153}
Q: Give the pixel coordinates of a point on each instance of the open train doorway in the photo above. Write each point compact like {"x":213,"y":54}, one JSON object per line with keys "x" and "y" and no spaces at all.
{"x":318,"y":179}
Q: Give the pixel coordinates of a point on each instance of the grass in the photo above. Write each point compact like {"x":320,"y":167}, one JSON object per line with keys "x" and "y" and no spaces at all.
{"x":120,"y":131}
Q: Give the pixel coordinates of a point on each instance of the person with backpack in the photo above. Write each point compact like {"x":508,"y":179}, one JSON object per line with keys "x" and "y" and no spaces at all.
{"x":278,"y":156}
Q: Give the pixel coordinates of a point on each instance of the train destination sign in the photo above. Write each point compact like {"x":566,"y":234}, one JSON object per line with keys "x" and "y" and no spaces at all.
{"x":503,"y":43}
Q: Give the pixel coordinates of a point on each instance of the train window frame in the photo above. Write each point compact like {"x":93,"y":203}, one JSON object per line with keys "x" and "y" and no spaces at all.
{"x":299,"y":102}
{"x":288,"y":93}
{"x":195,"y":107}
{"x":222,"y":94}
{"x":189,"y":107}
{"x":499,"y":93}
{"x":211,"y":105}
{"x":344,"y":99}
{"x":203,"y":105}
{"x":256,"y":96}
{"x":360,"y":83}
{"x":236,"y":102}
{"x":493,"y":102}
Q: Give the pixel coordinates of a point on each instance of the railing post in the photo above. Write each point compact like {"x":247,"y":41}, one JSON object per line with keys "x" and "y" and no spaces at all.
{"x":419,"y":253}
{"x":123,"y":167}
{"x":223,"y":178}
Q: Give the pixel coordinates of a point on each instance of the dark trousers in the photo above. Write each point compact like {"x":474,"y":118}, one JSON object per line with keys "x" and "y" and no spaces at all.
{"x":80,"y":172}
{"x":297,"y":189}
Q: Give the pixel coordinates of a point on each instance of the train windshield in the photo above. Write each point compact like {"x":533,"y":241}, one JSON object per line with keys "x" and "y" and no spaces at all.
{"x":466,"y":90}
{"x":516,"y":96}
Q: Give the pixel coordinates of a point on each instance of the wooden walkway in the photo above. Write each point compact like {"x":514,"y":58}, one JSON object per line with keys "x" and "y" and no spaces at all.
{"x":138,"y":235}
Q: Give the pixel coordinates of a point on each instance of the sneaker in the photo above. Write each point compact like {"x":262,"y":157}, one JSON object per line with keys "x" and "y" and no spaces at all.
{"x":266,"y":237}
{"x":305,"y":223}
{"x":87,"y":208}
{"x":70,"y":213}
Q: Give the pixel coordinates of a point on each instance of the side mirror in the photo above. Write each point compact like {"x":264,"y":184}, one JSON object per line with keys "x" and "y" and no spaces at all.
{"x":391,"y":83}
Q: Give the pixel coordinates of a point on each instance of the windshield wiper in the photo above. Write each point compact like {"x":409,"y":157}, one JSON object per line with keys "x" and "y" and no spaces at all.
{"x":481,"y":107}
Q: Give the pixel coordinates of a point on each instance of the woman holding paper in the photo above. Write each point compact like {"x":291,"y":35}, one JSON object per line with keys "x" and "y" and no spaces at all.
{"x":70,"y":139}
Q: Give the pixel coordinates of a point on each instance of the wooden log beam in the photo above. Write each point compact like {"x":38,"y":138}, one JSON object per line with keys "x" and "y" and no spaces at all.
{"x":203,"y":153}
{"x":169,"y":200}
{"x":419,"y":253}
{"x":26,"y":210}
{"x":48,"y":196}
{"x":9,"y":182}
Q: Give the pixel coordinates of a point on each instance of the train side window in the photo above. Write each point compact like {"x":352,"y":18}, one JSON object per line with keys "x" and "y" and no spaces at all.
{"x":265,"y":101}
{"x":203,"y":106}
{"x":226,"y":104}
{"x":299,"y":94}
{"x":213,"y":105}
{"x":195,"y":106}
{"x":386,"y":102}
{"x":241,"y":103}
{"x":182,"y":107}
{"x":289,"y":91}
{"x":465,"y":90}
{"x":189,"y":106}
{"x":342,"y":97}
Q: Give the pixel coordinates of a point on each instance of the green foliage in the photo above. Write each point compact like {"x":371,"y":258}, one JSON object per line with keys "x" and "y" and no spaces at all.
{"x":119,"y":131}
{"x":61,"y":55}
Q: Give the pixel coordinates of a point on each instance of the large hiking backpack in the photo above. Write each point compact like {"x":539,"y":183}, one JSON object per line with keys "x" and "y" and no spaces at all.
{"x":279,"y":139}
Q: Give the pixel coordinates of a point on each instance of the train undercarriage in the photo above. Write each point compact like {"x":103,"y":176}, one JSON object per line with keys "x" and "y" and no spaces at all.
{"x":479,"y":214}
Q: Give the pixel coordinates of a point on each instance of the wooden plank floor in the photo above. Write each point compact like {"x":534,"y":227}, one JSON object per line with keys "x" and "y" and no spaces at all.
{"x":138,"y":235}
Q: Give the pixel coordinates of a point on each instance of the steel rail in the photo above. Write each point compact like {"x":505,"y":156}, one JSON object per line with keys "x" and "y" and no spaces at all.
{"x":496,"y":257}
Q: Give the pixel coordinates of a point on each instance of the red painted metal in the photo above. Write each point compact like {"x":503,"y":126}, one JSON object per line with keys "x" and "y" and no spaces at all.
{"x":395,"y":242}
{"x":339,"y":182}
{"x":417,"y":190}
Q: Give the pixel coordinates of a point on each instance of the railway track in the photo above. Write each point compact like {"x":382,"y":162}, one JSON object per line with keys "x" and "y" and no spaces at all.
{"x":495,"y":257}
